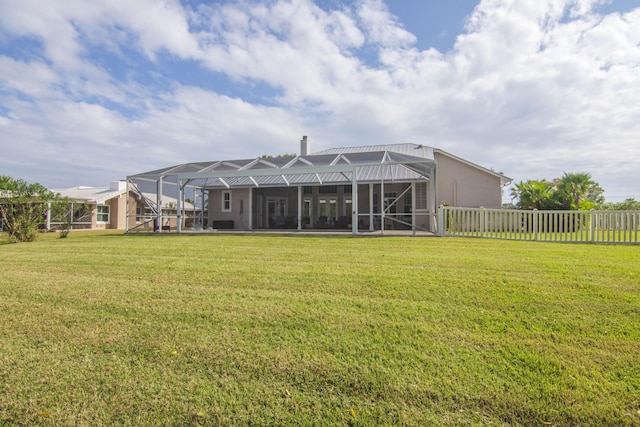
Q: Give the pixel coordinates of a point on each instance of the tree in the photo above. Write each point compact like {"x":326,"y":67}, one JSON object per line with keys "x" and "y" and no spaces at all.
{"x":628,"y":205}
{"x":24,"y":206}
{"x":534,"y":194}
{"x":572,"y":191}
{"x":579,"y":191}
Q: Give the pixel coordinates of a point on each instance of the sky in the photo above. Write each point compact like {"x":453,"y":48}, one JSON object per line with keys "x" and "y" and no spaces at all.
{"x":91,"y":92}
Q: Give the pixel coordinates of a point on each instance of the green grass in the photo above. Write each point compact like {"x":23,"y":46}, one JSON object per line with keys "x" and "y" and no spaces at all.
{"x":112,"y":329}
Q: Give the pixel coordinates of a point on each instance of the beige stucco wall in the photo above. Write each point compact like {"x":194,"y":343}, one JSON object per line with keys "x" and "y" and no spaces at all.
{"x":117,"y":215}
{"x":240,"y":198}
{"x":460,"y":184}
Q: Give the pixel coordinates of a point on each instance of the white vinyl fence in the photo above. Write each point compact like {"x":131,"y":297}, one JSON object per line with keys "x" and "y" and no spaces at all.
{"x":553,"y":226}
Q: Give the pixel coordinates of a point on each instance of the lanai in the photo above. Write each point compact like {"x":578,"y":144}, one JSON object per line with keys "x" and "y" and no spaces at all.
{"x":361,"y":170}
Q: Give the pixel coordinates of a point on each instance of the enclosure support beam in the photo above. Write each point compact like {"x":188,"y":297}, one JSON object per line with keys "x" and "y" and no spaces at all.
{"x":49,"y":216}
{"x":382,"y":207}
{"x":299,"y":207}
{"x":179,"y":208}
{"x":431,"y":201}
{"x":158,"y":225}
{"x":413,"y":208}
{"x":250,"y":208}
{"x":371,"y":207}
{"x":354,"y":202}
{"x":126,"y":218}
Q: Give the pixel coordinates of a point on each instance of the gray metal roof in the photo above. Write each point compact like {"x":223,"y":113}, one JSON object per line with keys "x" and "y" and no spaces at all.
{"x":405,"y":164}
{"x":415,"y":150}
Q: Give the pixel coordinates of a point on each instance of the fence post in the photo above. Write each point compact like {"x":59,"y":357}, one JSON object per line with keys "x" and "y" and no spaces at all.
{"x":440,"y":224}
{"x":481,"y":221}
{"x":592,"y":225}
{"x":535,"y":224}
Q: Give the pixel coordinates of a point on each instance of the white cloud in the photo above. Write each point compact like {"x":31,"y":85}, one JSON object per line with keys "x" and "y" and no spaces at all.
{"x":382,"y":27}
{"x":533,"y":88}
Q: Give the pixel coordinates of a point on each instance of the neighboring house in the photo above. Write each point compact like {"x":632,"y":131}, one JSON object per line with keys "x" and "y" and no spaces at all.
{"x":99,"y":208}
{"x":95,"y":208}
{"x":396,"y":186}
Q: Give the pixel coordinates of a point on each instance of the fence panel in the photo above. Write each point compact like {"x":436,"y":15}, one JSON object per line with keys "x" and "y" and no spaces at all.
{"x":550,"y":226}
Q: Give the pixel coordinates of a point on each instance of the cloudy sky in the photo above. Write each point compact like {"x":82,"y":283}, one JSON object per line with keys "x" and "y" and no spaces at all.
{"x":92,"y":91}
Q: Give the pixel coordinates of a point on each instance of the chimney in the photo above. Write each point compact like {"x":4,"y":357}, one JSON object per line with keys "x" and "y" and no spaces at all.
{"x":117,"y":186}
{"x":304,"y":146}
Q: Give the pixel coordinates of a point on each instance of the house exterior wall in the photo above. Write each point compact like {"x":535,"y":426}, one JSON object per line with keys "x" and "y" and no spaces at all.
{"x":263,"y":218}
{"x":118,"y":215}
{"x":239,"y":208}
{"x":460,"y":184}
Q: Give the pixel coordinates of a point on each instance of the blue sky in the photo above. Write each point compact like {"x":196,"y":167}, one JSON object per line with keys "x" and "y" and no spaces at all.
{"x":93,"y":91}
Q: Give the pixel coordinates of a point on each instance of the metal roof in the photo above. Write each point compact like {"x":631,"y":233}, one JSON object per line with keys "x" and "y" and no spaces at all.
{"x":411,"y":149}
{"x":97,"y":195}
{"x":321,"y":168}
{"x":415,"y":150}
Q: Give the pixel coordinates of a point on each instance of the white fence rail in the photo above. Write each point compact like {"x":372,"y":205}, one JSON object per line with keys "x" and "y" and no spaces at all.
{"x":551,"y":226}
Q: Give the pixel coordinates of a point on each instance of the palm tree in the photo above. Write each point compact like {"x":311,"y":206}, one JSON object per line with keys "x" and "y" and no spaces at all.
{"x":575,"y":188}
{"x":533,"y":194}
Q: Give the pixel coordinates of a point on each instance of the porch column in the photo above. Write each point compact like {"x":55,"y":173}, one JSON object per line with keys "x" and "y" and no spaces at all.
{"x":371,"y":206}
{"x":159,"y":206}
{"x":179,"y":208}
{"x":299,"y":207}
{"x":354,"y":202}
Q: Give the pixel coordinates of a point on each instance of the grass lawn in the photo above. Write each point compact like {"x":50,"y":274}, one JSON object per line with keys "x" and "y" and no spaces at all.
{"x":113,"y":329}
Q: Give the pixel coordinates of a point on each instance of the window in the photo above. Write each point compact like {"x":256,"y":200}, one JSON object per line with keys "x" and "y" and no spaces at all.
{"x":421,"y":195}
{"x":139,"y":215}
{"x":103,"y":213}
{"x":226,"y":201}
{"x":327,"y":208}
{"x":306,"y":211}
{"x":81,"y":213}
{"x":328,"y":189}
{"x":348,"y":207}
{"x":390,"y":203}
{"x":407,"y":202}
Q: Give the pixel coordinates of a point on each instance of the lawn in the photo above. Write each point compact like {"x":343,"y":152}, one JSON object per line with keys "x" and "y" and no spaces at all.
{"x":113,"y":329}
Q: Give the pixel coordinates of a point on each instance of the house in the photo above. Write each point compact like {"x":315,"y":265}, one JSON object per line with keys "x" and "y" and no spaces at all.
{"x":95,"y":208}
{"x":99,"y":208}
{"x":367,"y":188}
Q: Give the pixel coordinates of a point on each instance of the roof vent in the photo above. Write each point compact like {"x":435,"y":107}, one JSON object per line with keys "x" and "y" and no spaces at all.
{"x":304,"y":146}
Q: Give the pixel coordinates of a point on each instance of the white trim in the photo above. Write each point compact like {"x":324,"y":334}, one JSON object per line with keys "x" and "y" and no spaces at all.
{"x":223,"y":208}
{"x":98,"y":213}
